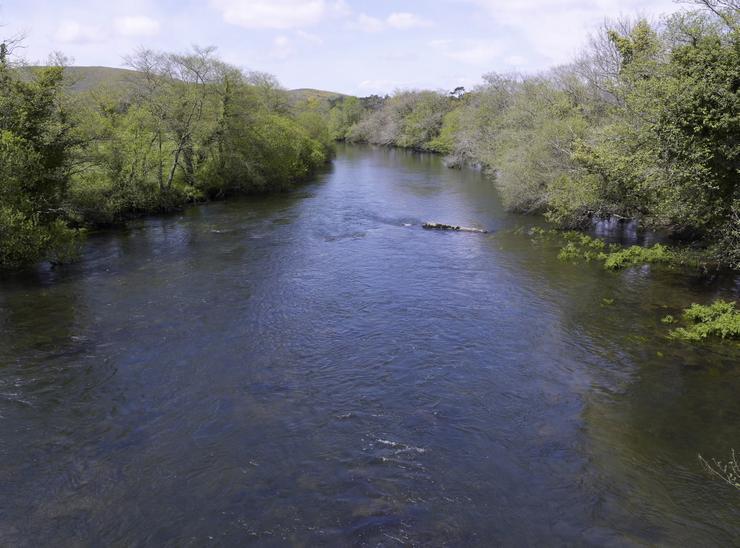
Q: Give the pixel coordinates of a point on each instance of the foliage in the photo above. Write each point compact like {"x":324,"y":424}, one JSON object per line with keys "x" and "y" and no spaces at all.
{"x":643,"y":126}
{"x":637,"y":255}
{"x":581,"y":246}
{"x":183,"y":127}
{"x":578,"y":246}
{"x":410,"y":119}
{"x":719,"y":319}
{"x":343,"y":115}
{"x":445,"y":141}
{"x":36,"y":146}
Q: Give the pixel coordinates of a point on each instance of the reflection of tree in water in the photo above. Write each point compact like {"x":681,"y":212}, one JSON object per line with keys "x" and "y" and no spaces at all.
{"x":651,"y":405}
{"x":36,"y":319}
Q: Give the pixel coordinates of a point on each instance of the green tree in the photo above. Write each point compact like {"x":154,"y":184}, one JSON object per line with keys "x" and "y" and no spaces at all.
{"x":36,"y":144}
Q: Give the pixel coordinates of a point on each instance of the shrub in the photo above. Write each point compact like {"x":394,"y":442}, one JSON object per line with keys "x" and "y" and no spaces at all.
{"x":719,"y":319}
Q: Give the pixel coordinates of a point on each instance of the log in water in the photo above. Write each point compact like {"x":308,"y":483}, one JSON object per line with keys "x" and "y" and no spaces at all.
{"x":442,"y":226}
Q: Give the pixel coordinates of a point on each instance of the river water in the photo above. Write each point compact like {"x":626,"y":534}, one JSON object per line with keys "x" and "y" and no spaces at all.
{"x":307,"y":369}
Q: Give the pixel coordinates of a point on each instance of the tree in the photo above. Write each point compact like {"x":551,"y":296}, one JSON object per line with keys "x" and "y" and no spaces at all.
{"x":458,"y":92}
{"x":176,"y":88}
{"x":36,"y":143}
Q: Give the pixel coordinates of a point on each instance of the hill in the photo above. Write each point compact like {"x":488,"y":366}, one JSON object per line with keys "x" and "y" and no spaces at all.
{"x":83,"y":78}
{"x":86,"y":78}
{"x":307,"y":94}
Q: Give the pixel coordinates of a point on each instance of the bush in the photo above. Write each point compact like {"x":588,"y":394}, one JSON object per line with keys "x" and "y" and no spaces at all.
{"x":720,"y":319}
{"x":24,"y":240}
{"x":638,"y":255}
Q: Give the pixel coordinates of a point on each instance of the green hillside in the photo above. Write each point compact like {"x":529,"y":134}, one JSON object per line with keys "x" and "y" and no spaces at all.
{"x":306,"y":94}
{"x":86,"y":78}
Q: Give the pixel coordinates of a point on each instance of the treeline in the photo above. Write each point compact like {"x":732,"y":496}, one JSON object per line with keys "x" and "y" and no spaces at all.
{"x":182,"y":128}
{"x":644,"y":125}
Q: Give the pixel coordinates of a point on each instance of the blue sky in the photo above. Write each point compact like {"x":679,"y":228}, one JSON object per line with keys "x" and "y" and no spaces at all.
{"x":352,"y":46}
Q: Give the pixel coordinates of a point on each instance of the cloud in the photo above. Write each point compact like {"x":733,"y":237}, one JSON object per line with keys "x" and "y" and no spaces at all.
{"x":470,"y":52}
{"x":276,"y":14}
{"x":138,"y":25}
{"x":381,"y":86}
{"x":282,"y":48}
{"x":557,"y":29}
{"x":396,"y":20}
{"x":369,"y":24}
{"x":73,"y":32}
{"x":403,"y":20}
{"x":311,"y":38}
{"x":400,"y":56}
{"x":515,"y":60}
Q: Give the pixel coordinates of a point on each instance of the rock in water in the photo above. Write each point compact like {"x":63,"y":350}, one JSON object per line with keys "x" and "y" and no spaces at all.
{"x":442,"y":226}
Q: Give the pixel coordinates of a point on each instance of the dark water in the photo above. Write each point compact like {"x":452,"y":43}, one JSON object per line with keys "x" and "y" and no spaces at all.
{"x":305,"y":369}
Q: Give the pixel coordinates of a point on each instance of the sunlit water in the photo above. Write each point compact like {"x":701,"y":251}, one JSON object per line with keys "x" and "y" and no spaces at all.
{"x":315,"y":368}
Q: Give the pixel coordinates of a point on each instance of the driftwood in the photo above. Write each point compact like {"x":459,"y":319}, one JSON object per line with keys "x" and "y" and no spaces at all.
{"x":441,"y":226}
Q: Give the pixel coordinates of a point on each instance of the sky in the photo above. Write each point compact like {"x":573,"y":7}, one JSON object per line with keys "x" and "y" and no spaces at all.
{"x":358,"y":47}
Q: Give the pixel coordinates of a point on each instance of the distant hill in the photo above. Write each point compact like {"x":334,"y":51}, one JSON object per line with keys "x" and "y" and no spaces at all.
{"x":86,"y":78}
{"x":306,"y":94}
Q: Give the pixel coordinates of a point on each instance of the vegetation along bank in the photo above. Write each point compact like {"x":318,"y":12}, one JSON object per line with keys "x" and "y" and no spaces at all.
{"x":177,"y":128}
{"x":642,"y":126}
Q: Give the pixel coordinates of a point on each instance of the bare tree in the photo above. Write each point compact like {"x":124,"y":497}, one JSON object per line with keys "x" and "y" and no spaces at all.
{"x":727,"y":10}
{"x":8,"y":48}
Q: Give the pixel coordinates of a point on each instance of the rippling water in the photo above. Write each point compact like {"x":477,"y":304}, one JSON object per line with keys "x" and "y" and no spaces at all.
{"x":314,"y":368}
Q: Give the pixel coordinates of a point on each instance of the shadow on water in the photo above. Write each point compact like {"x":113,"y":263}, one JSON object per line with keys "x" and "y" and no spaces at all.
{"x":315,"y":368}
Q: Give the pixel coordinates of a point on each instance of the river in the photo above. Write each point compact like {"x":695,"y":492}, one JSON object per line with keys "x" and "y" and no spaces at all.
{"x":315,"y":368}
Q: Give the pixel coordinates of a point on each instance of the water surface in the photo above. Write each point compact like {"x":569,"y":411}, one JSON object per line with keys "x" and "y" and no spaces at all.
{"x":315,"y":368}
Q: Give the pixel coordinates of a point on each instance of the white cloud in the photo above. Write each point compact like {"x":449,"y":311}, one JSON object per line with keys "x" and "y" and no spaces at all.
{"x":515,"y":60}
{"x":381,"y":86}
{"x":275,"y":14}
{"x":339,"y":8}
{"x":400,"y":56}
{"x":282,"y":48}
{"x":403,"y":20}
{"x":557,"y":29}
{"x":396,"y":20}
{"x":369,"y":24}
{"x":440,"y":43}
{"x":471,"y":52}
{"x":73,"y":32}
{"x":138,"y":25}
{"x":308,"y":37}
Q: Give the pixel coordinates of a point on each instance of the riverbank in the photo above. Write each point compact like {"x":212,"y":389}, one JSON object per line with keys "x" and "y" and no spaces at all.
{"x":641,"y":126}
{"x":596,"y":240}
{"x":71,"y":159}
